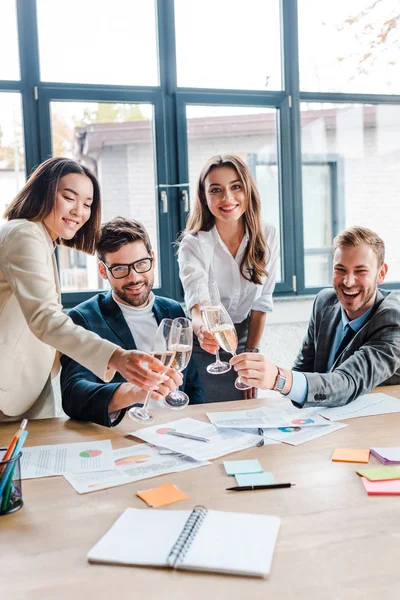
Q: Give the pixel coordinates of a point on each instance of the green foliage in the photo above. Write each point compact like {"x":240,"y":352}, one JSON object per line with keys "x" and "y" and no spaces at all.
{"x":111,"y":113}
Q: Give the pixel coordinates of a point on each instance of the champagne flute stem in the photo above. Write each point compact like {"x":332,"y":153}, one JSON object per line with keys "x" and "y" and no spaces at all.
{"x":235,"y":354}
{"x":217,"y":358}
{"x":146,"y":401}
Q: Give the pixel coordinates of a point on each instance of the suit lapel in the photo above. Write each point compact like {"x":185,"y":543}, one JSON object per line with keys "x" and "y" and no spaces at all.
{"x":52,"y":253}
{"x":56,"y":278}
{"x":325,"y":336}
{"x":115,"y":320}
{"x":158,"y":311}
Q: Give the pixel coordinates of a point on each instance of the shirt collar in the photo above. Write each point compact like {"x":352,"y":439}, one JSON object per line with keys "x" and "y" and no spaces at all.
{"x":355,"y":324}
{"x":218,"y":240}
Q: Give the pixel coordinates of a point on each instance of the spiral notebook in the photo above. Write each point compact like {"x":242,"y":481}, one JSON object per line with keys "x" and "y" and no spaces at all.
{"x":197,"y":540}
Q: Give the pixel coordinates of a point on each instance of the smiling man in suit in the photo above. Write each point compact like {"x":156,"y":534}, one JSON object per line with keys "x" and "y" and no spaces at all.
{"x":353,"y":338}
{"x":128,"y":315}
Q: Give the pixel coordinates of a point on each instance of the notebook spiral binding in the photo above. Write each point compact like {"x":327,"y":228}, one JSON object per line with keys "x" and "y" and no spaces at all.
{"x":182,"y":544}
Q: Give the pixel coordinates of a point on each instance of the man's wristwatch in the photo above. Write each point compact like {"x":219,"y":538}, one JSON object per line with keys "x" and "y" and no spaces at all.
{"x":252,"y":349}
{"x":280,"y":380}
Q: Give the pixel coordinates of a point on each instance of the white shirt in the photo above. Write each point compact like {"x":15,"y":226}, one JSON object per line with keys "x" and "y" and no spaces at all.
{"x":205,"y":256}
{"x":141,"y":322}
{"x":143,"y":327}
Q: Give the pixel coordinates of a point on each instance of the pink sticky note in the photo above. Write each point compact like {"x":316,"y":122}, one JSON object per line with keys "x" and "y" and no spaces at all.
{"x":381,"y":488}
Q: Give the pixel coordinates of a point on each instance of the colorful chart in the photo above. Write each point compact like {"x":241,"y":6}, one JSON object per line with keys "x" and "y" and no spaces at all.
{"x":302,"y":421}
{"x":90,"y":453}
{"x":164,"y":430}
{"x":126,"y":460}
{"x":289,"y":429}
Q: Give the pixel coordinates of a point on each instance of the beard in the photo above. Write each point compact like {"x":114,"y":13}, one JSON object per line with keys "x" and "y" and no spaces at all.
{"x":137,"y":299}
{"x":364,"y":300}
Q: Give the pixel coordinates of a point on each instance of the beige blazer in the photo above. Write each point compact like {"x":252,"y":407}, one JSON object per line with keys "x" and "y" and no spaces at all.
{"x":33,"y":325}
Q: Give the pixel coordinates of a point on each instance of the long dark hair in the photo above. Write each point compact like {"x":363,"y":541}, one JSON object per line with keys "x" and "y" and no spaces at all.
{"x":252,"y":266}
{"x":37,"y":198}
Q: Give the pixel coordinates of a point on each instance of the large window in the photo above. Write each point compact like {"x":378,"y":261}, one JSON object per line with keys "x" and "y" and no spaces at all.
{"x":145,"y":91}
{"x":228,"y":44}
{"x":249,"y":132}
{"x":365,"y":139}
{"x":9,"y":62}
{"x":349,"y":46}
{"x":98,"y":41}
{"x":12,"y":156}
{"x":116,"y":141}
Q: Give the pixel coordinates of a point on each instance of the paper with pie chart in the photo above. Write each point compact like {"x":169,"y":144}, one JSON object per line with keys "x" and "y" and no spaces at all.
{"x":133,"y":463}
{"x":265,"y":417}
{"x":58,"y":459}
{"x":298,"y":435}
{"x":221,"y":442}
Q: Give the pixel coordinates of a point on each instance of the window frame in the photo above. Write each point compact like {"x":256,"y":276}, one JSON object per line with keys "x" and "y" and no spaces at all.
{"x":82,"y":93}
{"x":170,"y":103}
{"x":277,"y":100}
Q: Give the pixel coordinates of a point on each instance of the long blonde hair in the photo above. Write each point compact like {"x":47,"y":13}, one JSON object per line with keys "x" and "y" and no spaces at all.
{"x":252,"y":266}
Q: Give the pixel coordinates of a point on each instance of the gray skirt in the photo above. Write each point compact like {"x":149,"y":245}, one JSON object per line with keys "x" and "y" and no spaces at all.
{"x":220,"y":388}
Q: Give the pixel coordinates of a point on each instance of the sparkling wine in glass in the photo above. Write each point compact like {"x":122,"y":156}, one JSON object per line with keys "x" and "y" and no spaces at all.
{"x":222,"y":328}
{"x":183,"y":351}
{"x":164,"y":348}
{"x":210,"y":302}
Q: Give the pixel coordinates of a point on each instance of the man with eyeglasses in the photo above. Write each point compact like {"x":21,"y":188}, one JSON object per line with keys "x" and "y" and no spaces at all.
{"x":129,"y":315}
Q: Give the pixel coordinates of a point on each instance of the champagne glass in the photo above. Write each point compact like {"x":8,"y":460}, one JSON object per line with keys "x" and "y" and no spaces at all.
{"x":183,"y":351}
{"x":210,"y":303}
{"x":221,"y":326}
{"x":164,"y":345}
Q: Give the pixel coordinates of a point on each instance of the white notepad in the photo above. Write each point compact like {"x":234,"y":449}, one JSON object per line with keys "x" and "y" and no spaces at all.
{"x":197,"y":540}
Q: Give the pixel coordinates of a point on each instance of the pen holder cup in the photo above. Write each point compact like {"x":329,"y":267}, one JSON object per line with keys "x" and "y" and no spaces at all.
{"x":10,"y":484}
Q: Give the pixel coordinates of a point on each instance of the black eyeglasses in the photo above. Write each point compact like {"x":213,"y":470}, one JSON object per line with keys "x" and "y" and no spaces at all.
{"x":120,"y":271}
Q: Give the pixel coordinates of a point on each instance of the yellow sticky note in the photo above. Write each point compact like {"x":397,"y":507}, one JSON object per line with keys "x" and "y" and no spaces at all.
{"x":162,"y":495}
{"x":351,"y":455}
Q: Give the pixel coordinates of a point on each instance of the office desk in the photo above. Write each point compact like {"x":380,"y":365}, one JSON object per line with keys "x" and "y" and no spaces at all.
{"x":335,"y":541}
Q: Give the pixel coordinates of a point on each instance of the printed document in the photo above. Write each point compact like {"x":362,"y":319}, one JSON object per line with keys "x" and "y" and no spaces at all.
{"x":140,"y":461}
{"x":221,"y":441}
{"x":57,"y":459}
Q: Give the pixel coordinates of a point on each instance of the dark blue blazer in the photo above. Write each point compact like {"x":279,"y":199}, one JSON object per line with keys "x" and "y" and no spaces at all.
{"x":85,"y":396}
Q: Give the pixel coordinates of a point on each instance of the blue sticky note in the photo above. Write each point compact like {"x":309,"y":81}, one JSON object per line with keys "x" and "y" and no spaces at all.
{"x":254,"y":478}
{"x":232,"y":467}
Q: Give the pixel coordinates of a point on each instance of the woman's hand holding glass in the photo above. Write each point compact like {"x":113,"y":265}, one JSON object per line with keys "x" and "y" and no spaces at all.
{"x":207,"y":340}
{"x":138,"y":368}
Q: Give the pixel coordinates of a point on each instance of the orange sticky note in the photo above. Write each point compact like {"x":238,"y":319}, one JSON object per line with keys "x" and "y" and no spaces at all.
{"x":381,"y":488}
{"x":351,"y":455}
{"x":162,"y":495}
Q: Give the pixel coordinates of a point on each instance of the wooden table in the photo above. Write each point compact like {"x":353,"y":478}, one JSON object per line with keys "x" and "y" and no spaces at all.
{"x":335,"y":542}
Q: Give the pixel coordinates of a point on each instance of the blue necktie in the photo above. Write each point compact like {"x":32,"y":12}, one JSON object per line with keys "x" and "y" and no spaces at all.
{"x":350,"y":333}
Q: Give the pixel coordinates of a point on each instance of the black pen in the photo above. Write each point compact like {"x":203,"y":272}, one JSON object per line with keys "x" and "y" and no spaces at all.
{"x":270,"y":486}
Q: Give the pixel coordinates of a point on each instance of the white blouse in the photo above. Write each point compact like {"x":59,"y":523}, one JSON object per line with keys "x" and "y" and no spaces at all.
{"x":204,"y":256}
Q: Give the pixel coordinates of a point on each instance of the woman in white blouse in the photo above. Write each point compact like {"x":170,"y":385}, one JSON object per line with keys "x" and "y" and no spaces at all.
{"x":226,"y":241}
{"x":60,"y":203}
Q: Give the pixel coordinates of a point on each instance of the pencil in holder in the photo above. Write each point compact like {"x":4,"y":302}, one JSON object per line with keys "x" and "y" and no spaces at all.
{"x":10,"y":484}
